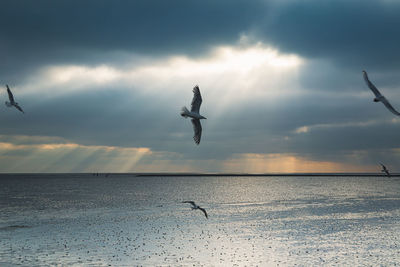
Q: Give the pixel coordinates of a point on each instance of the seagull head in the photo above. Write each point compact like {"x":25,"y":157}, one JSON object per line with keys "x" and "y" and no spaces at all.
{"x":365,"y":74}
{"x":203,"y":117}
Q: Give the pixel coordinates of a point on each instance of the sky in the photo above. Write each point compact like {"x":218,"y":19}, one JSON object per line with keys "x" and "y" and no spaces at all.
{"x":102,"y":84}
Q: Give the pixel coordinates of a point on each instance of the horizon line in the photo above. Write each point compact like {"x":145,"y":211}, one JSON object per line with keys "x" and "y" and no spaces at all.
{"x":150,"y":174}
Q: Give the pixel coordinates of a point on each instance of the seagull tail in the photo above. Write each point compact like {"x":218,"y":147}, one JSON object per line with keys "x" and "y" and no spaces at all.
{"x":8,"y":104}
{"x":184,"y":112}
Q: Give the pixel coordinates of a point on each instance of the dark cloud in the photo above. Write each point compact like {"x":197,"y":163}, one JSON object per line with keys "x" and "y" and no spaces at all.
{"x":103,"y":116}
{"x":360,"y":34}
{"x":142,"y":25}
{"x":40,"y":32}
{"x":354,"y":34}
{"x":365,"y":31}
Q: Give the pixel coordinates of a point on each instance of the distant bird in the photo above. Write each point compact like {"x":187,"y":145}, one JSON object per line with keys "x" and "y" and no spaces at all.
{"x":195,"y":207}
{"x":385,"y":170}
{"x":194,"y":113}
{"x":12,"y":101}
{"x":378,"y":96}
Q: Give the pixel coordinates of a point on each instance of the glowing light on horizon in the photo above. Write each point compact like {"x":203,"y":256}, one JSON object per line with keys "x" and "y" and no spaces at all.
{"x":80,"y":158}
{"x":287,"y":163}
{"x":68,"y":157}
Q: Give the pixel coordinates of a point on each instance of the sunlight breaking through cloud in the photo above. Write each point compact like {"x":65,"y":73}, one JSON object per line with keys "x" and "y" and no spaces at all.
{"x":97,"y":75}
{"x":239,"y":78}
{"x":69,"y":157}
{"x":72,"y":157}
{"x":229,"y":68}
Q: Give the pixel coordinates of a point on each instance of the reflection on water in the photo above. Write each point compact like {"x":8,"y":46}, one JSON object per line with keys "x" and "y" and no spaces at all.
{"x":265,"y":221}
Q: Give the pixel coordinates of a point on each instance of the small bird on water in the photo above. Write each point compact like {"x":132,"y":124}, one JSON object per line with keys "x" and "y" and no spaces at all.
{"x":196,"y":207}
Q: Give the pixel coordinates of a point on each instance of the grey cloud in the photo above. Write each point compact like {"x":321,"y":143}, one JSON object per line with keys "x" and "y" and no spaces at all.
{"x":116,"y":117}
{"x":45,"y":31}
{"x":360,"y":34}
{"x":375,"y":137}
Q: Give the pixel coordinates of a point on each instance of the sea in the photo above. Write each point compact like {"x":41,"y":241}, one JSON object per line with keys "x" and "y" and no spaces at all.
{"x":133,"y":220}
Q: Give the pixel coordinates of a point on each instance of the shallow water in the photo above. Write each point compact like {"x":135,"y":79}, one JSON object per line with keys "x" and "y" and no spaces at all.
{"x":122,"y":220}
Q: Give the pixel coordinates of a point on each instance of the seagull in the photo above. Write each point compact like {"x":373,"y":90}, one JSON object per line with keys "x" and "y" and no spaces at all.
{"x":378,"y":96}
{"x":194,"y":113}
{"x":12,"y":101}
{"x":385,"y":170}
{"x":195,"y":207}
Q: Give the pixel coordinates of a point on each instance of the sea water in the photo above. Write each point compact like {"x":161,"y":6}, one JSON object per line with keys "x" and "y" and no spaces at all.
{"x":124,"y":220}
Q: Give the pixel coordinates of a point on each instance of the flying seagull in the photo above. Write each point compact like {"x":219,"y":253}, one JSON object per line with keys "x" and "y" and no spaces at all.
{"x":195,"y":207}
{"x":12,"y":101}
{"x":194,"y":113}
{"x":385,"y":170}
{"x":378,"y":96}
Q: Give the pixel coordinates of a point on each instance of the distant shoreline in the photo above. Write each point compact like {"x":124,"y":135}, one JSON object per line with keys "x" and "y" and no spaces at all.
{"x":212,"y":174}
{"x":266,"y":174}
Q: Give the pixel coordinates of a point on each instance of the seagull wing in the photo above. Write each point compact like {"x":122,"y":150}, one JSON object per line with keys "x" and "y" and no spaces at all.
{"x":19,"y":108}
{"x":191,"y":202}
{"x":378,"y":94}
{"x":389,"y":106}
{"x":196,"y":101}
{"x":10,"y":95}
{"x":197,"y":130}
{"x":204,"y":211}
{"x":371,"y":85}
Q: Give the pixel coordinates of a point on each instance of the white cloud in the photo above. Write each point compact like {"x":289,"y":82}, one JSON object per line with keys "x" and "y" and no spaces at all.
{"x":227,"y":73}
{"x":308,"y":128}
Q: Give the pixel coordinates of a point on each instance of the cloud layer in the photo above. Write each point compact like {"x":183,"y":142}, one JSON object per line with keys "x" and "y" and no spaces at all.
{"x":277,"y":78}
